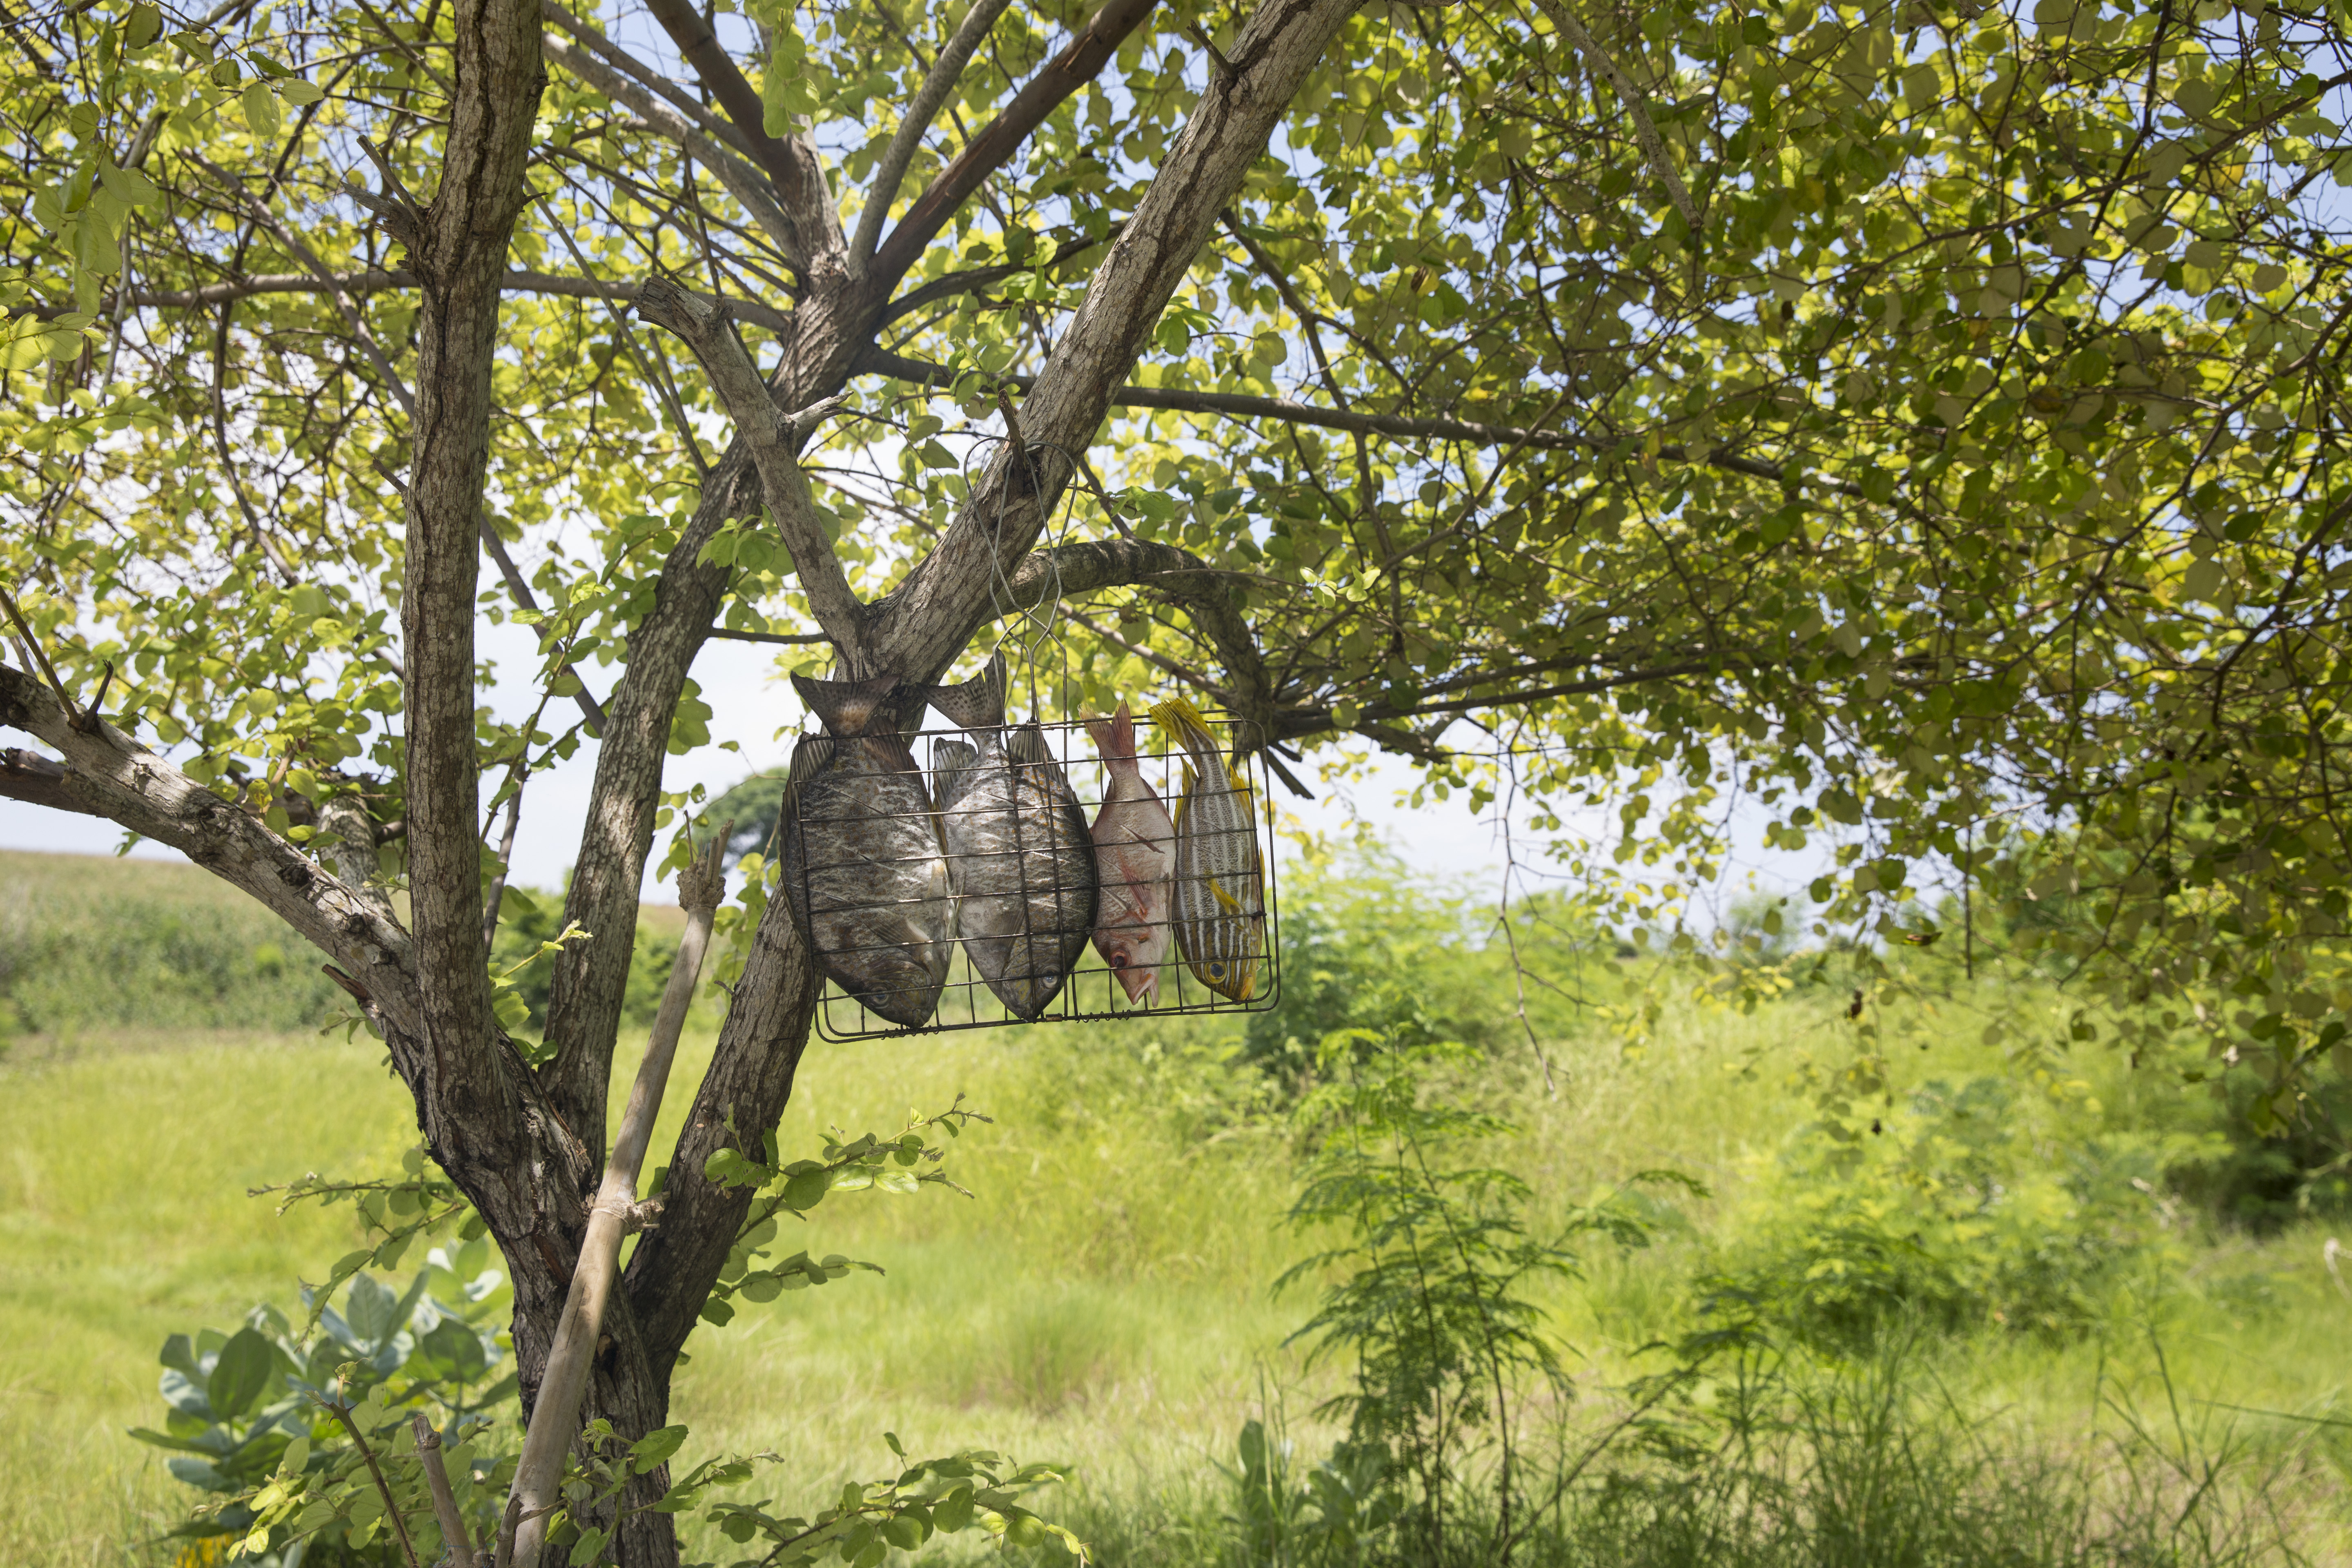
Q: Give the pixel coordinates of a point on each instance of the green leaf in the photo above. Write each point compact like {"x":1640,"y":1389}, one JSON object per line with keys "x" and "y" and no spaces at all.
{"x":588,"y":1548}
{"x":239,"y":1376}
{"x":130,"y":185}
{"x":261,"y":111}
{"x":654,"y":1447}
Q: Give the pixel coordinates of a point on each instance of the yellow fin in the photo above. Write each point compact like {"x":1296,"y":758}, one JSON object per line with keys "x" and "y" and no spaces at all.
{"x":1225,"y":898}
{"x":1184,"y":721}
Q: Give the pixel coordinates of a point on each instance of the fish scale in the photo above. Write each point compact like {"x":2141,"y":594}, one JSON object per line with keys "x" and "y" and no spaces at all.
{"x":1019,"y":856}
{"x":864,"y":871}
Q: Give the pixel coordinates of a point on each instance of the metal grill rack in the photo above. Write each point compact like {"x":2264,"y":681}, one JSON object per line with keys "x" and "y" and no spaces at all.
{"x":1091,"y":990}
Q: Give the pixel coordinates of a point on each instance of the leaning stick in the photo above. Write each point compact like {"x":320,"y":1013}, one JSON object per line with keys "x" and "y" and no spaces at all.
{"x":539,"y":1474}
{"x":444,"y":1501}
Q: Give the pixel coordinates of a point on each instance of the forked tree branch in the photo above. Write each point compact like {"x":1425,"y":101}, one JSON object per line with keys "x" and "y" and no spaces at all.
{"x":993,"y":145}
{"x":937,"y":84}
{"x":747,"y":184}
{"x":791,"y":163}
{"x":770,"y":434}
{"x":921,"y":627}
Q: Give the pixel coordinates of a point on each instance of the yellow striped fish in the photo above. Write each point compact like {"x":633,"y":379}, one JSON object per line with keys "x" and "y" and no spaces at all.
{"x":1220,"y":895}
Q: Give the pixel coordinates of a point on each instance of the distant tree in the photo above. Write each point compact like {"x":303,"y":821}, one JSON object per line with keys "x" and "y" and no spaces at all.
{"x":752,"y":805}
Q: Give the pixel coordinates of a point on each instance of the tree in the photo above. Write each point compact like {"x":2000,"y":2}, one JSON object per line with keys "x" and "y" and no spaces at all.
{"x":1921,"y":415}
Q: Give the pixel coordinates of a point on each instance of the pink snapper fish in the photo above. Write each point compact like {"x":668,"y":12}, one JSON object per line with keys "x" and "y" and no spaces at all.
{"x":1135,"y":852}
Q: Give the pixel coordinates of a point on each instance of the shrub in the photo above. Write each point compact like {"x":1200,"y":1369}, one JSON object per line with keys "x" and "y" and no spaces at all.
{"x":264,"y":1419}
{"x":1958,"y":1209}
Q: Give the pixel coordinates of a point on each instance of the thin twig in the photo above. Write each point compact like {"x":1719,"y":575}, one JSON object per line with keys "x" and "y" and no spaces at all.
{"x":342,"y":1413}
{"x":33,"y":649}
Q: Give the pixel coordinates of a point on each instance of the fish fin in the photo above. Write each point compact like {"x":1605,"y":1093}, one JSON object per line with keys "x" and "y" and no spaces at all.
{"x":1115,"y":736}
{"x":847,"y":707}
{"x":978,"y":703}
{"x":810,"y":753}
{"x":1183,"y":797}
{"x":949,"y":758}
{"x":1223,"y":897}
{"x":1027,"y":746}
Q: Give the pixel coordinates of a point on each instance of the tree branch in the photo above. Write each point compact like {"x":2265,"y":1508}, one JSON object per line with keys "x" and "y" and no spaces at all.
{"x":791,"y":163}
{"x":745,"y":183}
{"x":107,"y":774}
{"x":1654,"y":146}
{"x":518,"y":281}
{"x":995,"y":143}
{"x":518,"y":588}
{"x":1289,"y":410}
{"x":769,"y":433}
{"x":908,"y":137}
{"x":556,"y":1417}
{"x":620,"y":59}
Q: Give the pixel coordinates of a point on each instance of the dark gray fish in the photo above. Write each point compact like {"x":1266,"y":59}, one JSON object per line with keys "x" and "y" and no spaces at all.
{"x":1019,"y":855}
{"x":863,"y":871}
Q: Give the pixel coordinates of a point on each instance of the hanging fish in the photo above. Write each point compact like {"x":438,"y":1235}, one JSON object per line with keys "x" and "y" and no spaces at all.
{"x":1135,"y":849}
{"x":863,"y":871}
{"x":1220,"y":899}
{"x":1018,"y":855}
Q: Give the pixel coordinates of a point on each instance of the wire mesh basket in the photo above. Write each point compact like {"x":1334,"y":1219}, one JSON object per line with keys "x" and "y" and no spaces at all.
{"x":1089,"y":986}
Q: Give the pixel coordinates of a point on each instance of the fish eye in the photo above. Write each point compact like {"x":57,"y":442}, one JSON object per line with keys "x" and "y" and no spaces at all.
{"x":1217,"y":970}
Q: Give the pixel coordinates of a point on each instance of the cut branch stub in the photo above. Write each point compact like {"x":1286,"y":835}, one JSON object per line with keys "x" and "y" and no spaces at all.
{"x":771,"y":434}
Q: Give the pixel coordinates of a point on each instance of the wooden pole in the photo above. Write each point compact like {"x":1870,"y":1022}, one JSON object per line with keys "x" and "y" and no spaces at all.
{"x":522,"y":1535}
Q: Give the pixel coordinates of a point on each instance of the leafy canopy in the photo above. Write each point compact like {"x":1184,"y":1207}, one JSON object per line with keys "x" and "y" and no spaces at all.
{"x":1942,"y":455}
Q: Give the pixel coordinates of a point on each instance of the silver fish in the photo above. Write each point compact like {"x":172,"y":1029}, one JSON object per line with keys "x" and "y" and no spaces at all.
{"x":1018,"y":857}
{"x":1220,"y":897}
{"x":864,"y":870}
{"x":1135,"y":849}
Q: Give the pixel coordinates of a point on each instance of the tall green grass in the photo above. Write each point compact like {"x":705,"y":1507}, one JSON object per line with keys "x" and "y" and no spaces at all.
{"x":1103,"y":1296}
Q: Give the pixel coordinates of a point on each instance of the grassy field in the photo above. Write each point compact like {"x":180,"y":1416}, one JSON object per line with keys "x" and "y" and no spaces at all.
{"x":1103,"y":1298}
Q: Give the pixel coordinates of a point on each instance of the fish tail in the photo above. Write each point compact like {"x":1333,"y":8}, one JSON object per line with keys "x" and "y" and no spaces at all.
{"x":1027,"y":745}
{"x":1184,"y":721}
{"x":847,"y":707}
{"x":1114,"y":739}
{"x":978,"y":703}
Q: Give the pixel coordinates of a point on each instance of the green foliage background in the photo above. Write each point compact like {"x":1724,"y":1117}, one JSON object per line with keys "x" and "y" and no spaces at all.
{"x":1104,"y":1297}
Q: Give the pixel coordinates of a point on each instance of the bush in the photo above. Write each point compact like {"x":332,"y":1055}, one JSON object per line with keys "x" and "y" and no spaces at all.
{"x":116,"y":953}
{"x":1365,"y":946}
{"x":1959,"y":1209}
{"x":274,"y":1407}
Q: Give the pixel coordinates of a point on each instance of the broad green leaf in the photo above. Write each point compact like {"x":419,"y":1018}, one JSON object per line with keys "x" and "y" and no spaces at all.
{"x":240,"y":1376}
